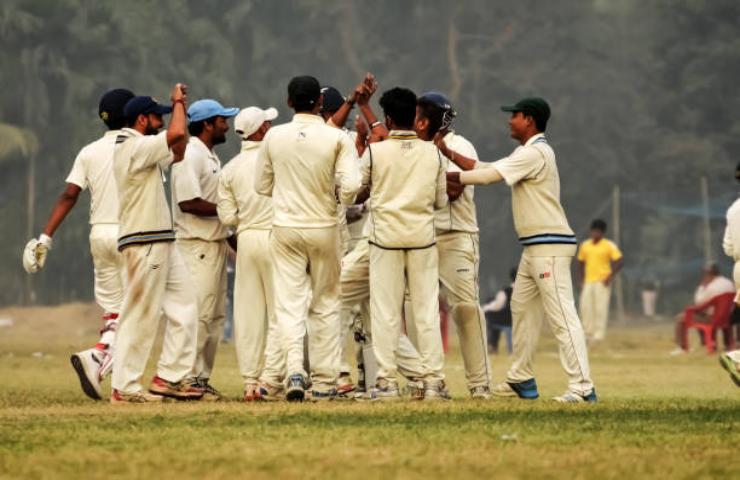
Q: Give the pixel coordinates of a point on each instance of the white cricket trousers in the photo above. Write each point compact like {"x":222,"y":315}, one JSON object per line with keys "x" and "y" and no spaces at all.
{"x":594,"y":305}
{"x":254,"y":311}
{"x":543,"y":287}
{"x":206,"y":262}
{"x":458,"y":273}
{"x":110,"y":279}
{"x":355,"y":287}
{"x":390,"y":272}
{"x":306,"y":267}
{"x":158,"y":283}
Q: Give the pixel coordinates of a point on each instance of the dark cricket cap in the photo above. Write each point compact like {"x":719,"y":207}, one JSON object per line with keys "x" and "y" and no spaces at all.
{"x":332,"y":99}
{"x":143,"y":106}
{"x":110,"y":108}
{"x":304,"y":89}
{"x":536,"y":107}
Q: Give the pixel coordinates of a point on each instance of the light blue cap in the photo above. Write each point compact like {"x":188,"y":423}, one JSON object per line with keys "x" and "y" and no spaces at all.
{"x":208,"y":108}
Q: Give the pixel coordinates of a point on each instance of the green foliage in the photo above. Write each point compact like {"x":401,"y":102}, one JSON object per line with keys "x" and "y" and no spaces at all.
{"x":643,"y":95}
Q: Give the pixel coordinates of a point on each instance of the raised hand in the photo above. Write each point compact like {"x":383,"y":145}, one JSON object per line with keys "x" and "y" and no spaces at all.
{"x":179,"y":93}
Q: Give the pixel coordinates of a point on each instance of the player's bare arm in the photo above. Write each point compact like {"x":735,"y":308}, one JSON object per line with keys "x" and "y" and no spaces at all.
{"x":616,"y":267}
{"x":378,"y":130}
{"x":177,"y":130}
{"x":199,"y":207}
{"x":64,"y":204}
{"x":460,"y":160}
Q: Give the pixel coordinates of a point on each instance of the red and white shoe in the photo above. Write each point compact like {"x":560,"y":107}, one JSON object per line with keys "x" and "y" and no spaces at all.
{"x":181,"y":390}
{"x":252,"y":393}
{"x":120,"y":398}
{"x":87,"y":365}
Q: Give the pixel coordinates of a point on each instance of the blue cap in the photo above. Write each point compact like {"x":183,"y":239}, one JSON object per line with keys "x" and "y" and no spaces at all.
{"x":437,"y":99}
{"x":203,"y":109}
{"x":143,"y":106}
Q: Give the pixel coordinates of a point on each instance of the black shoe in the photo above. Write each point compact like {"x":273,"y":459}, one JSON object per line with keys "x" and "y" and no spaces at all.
{"x":296,"y":390}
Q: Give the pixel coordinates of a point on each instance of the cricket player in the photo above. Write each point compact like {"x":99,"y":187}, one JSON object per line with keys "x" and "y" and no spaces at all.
{"x":158,"y":279}
{"x":408,"y":182}
{"x":93,"y":169}
{"x":297,"y":165}
{"x":201,"y":237}
{"x":258,"y":348}
{"x":543,"y":283}
{"x":458,"y":247}
{"x":599,"y":259}
{"x":730,"y":361}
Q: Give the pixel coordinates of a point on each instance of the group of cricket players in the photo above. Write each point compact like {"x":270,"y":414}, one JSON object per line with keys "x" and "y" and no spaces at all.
{"x":337,"y":234}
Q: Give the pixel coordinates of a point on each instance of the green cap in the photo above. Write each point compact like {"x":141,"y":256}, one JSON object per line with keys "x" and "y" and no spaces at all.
{"x":536,"y":107}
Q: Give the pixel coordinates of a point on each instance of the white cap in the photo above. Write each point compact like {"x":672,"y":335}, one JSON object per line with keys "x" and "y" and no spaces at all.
{"x":250,"y":119}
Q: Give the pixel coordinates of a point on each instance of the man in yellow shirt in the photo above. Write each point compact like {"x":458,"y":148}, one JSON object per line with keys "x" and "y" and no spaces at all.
{"x":599,"y":259}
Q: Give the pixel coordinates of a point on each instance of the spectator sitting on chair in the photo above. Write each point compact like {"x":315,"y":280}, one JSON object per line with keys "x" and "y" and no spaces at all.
{"x":711,"y":285}
{"x":498,"y":315}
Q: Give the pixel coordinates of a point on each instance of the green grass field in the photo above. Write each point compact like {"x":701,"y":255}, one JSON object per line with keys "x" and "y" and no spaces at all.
{"x":658,"y":417}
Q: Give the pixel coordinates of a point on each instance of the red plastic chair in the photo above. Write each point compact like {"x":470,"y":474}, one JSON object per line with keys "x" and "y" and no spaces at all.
{"x":720,"y":320}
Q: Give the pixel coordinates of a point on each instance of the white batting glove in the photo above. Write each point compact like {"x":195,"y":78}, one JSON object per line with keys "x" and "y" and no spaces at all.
{"x":34,"y":255}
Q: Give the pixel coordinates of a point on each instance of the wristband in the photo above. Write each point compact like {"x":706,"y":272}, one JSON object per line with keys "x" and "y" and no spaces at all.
{"x":179,"y":100}
{"x":375,"y":124}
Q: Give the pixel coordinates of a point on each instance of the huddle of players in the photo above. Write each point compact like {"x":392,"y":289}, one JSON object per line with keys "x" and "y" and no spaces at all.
{"x":299,"y":288}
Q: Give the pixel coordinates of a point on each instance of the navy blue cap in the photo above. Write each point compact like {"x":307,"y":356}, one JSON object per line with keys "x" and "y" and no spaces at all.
{"x":110,"y":108}
{"x":143,"y":106}
{"x":437,"y":99}
{"x":332,"y":99}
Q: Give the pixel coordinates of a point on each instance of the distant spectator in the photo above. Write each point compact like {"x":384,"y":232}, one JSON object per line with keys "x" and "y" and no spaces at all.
{"x":599,"y":259}
{"x":712,"y":284}
{"x":498,"y":316}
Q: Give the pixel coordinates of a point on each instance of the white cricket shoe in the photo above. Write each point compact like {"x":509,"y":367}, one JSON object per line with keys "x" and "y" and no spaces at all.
{"x":87,"y":364}
{"x":570,"y":397}
{"x":436,"y":391}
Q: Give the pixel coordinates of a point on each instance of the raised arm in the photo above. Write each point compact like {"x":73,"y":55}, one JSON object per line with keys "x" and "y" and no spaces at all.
{"x":177,"y":130}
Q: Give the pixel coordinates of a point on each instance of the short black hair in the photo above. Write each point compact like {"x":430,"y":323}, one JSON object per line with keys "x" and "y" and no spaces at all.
{"x":599,"y":224}
{"x":196,"y":128}
{"x":431,"y":112}
{"x":400,"y":105}
{"x":303,"y":93}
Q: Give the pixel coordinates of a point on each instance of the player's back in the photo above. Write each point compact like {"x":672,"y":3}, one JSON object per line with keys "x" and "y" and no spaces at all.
{"x":304,"y":155}
{"x":93,"y":169}
{"x":404,"y":178}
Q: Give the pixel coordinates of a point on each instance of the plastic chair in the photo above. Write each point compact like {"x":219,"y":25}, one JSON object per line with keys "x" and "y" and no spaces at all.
{"x":722,"y":310}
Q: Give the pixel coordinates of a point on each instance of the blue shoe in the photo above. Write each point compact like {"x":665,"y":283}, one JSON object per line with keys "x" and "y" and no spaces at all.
{"x":570,"y":397}
{"x":526,"y":390}
{"x":322,"y":396}
{"x":296,"y":390}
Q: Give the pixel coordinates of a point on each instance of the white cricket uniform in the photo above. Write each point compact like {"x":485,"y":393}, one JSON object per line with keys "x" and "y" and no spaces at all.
{"x":408,"y":182}
{"x":459,"y":259}
{"x":355,"y":288}
{"x":258,"y":348}
{"x":543,"y":285}
{"x":731,"y":246}
{"x":202,"y":243}
{"x":298,"y":163}
{"x":158,"y":280}
{"x":93,"y":169}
